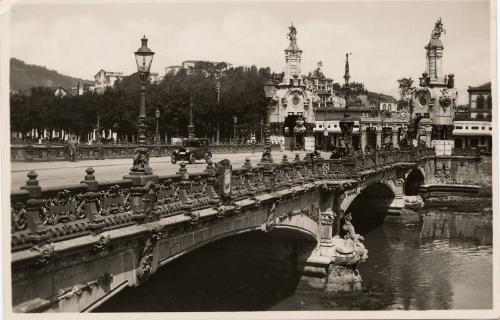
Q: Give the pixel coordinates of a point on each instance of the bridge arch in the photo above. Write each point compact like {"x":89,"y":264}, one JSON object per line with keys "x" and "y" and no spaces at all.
{"x":369,"y":207}
{"x":254,"y":259}
{"x":299,"y":225}
{"x":413,"y":181}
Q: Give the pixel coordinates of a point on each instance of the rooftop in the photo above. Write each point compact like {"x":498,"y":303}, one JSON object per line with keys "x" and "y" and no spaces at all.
{"x":484,"y":87}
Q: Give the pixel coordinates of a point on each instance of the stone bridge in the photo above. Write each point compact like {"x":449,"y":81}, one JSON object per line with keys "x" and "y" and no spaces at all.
{"x":76,"y":246}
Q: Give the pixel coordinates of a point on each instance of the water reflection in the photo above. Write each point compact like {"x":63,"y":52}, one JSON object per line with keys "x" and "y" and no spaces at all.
{"x":439,"y":274}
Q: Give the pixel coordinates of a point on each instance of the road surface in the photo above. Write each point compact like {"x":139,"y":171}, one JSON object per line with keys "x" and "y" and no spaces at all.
{"x":57,"y":173}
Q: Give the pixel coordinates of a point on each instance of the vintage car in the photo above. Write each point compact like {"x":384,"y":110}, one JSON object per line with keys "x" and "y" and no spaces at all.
{"x":192,"y":150}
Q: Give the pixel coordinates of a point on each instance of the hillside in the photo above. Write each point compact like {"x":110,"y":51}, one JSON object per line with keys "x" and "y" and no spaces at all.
{"x":24,"y":76}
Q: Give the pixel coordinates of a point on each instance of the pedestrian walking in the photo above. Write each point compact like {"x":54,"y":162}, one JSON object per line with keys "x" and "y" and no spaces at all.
{"x":72,"y":145}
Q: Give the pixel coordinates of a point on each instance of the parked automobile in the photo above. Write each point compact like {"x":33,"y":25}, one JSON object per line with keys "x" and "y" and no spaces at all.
{"x":192,"y":150}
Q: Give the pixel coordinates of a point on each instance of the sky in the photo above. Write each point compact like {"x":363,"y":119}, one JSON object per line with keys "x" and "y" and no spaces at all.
{"x":386,"y":39}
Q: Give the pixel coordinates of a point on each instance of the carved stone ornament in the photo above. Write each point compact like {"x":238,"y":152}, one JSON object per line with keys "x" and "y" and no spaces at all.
{"x":327,"y":217}
{"x":445,"y":99}
{"x":141,"y":162}
{"x":145,"y":264}
{"x":47,"y":253}
{"x":102,"y":243}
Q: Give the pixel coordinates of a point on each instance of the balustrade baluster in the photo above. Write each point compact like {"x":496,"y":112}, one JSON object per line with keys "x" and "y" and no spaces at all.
{"x":91,"y":201}
{"x":212,"y":194}
{"x":38,"y":231}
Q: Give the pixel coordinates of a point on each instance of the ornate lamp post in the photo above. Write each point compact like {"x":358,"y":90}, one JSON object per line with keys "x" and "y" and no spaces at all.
{"x":235,"y":124}
{"x":217,"y":87}
{"x":269,"y":88}
{"x":98,"y":131}
{"x":191,"y":124}
{"x":143,"y":58}
{"x":346,"y":124}
{"x":157,"y":133}
{"x":262,"y":130}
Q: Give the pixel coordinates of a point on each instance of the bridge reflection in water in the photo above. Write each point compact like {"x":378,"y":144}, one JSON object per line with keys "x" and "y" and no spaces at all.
{"x":405,"y":273}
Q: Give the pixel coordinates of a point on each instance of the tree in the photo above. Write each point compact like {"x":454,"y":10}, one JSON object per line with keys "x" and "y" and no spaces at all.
{"x":406,"y":90}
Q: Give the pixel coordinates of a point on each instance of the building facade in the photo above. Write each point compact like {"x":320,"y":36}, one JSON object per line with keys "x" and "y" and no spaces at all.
{"x":106,"y":79}
{"x":480,"y":102}
{"x":189,"y":64}
{"x":473,"y":126}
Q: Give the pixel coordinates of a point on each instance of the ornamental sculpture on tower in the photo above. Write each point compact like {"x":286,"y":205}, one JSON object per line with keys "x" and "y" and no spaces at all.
{"x":438,"y":29}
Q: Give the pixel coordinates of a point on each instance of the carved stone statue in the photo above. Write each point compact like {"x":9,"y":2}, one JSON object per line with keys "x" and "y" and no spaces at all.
{"x":350,"y":231}
{"x":292,"y":35}
{"x":438,"y":29}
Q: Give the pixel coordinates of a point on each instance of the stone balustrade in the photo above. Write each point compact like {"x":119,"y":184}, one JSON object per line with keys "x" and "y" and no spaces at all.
{"x":41,"y":215}
{"x":468,"y":152}
{"x":53,"y":152}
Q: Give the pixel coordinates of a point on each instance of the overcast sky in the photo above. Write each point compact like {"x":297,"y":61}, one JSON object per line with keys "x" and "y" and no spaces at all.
{"x":386,"y":39}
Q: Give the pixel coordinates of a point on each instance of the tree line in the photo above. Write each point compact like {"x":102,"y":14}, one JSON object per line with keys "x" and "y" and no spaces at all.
{"x":240,"y":94}
{"x":217,"y":95}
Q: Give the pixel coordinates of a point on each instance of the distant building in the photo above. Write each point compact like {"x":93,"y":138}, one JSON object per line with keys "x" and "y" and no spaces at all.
{"x":480,"y":102}
{"x":472,"y":126}
{"x":154,"y":77}
{"x":188,"y":64}
{"x":60,"y":92}
{"x":388,"y":106}
{"x":473,"y":133}
{"x":76,"y":91}
{"x":106,"y":79}
{"x":172,"y":69}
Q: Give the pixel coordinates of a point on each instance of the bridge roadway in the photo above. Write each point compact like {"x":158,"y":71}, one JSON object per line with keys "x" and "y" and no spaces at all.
{"x":57,"y":173}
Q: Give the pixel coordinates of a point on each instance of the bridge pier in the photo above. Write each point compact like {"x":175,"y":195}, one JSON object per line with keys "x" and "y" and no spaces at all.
{"x":332,"y":266}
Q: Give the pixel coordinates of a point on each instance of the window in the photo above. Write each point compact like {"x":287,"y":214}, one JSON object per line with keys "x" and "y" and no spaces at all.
{"x":480,"y":116}
{"x":474,"y":128}
{"x":489,"y":128}
{"x":480,"y":102}
{"x":321,"y":126}
{"x":458,"y":127}
{"x":488,"y":102}
{"x":482,"y":128}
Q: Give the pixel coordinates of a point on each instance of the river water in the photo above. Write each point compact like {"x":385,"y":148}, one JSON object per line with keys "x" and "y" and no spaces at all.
{"x":401,"y":273}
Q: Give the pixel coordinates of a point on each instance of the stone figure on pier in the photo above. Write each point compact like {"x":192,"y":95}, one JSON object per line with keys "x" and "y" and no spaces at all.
{"x":350,"y":231}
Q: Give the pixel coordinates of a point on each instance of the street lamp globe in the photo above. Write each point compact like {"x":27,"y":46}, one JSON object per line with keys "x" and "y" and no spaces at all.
{"x":157,"y":113}
{"x":235,"y":119}
{"x":144,"y":56}
{"x":269,"y":88}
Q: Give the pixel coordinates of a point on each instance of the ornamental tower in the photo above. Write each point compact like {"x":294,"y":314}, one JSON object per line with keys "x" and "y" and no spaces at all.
{"x":291,"y":114}
{"x":293,"y":56}
{"x":434,"y":100}
{"x":435,"y":54}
